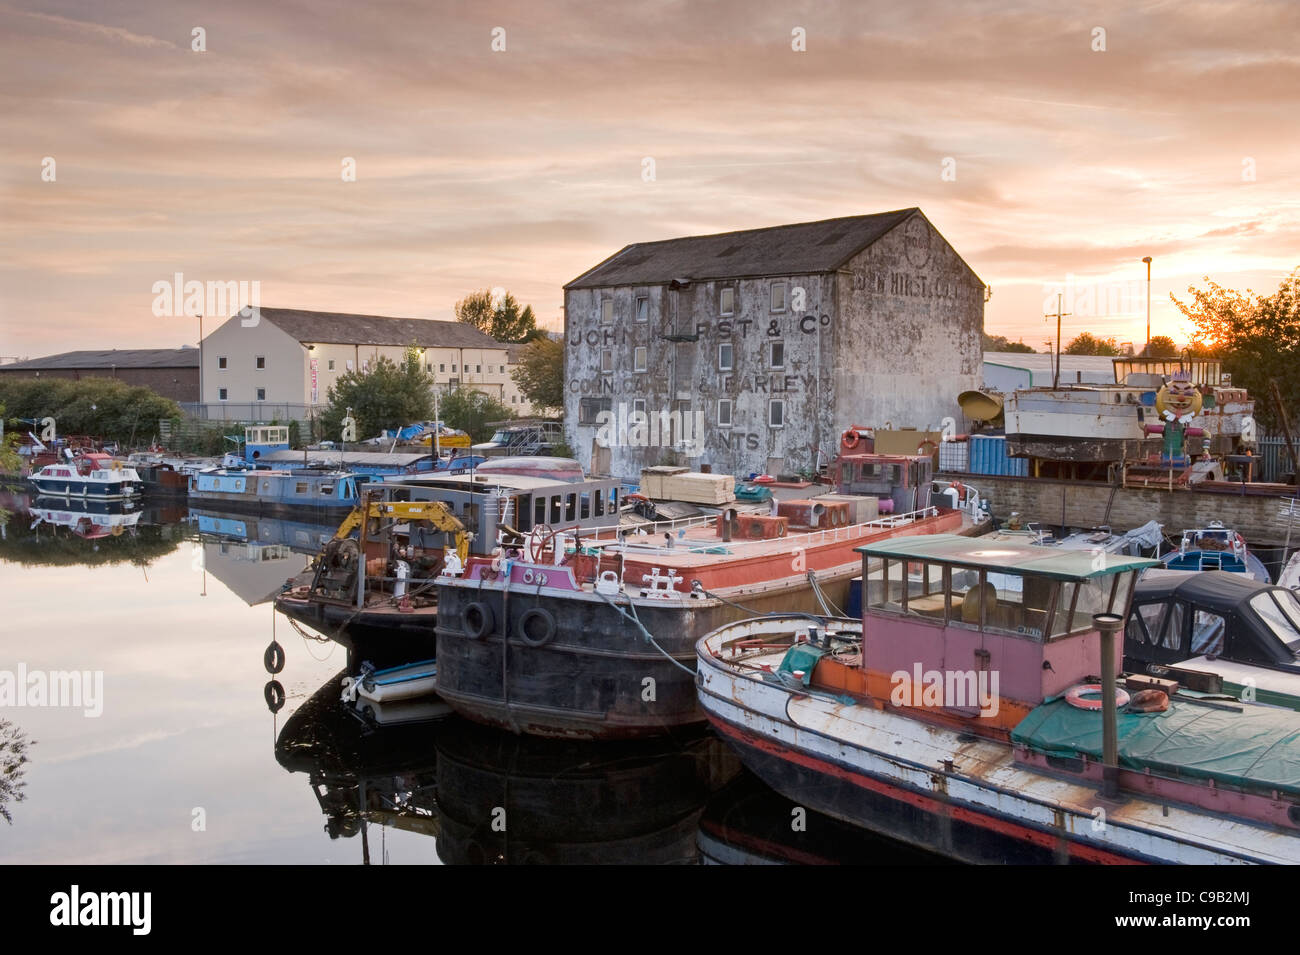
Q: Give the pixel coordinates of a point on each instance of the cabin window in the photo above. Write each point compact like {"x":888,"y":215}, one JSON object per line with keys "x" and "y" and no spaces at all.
{"x":1280,"y":623}
{"x":642,"y":308}
{"x":584,"y":508}
{"x":327,"y":489}
{"x":266,"y":486}
{"x":1079,"y":600}
{"x":1208,"y":632}
{"x":570,"y":507}
{"x":539,"y":511}
{"x":555,"y":510}
{"x":300,"y":487}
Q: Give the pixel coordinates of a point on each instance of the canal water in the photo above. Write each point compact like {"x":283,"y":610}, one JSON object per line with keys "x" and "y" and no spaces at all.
{"x":177,"y":748}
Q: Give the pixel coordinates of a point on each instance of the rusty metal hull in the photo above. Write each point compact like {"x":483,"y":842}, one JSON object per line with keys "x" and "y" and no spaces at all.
{"x":598,"y":678}
{"x":382,"y":637}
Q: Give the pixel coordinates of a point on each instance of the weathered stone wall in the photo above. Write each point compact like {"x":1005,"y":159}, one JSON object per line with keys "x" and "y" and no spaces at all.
{"x":1256,"y":518}
{"x":179,"y":384}
{"x":908,"y":341}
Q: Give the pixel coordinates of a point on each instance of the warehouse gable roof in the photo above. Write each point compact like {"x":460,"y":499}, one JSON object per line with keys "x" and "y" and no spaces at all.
{"x":341,"y":328}
{"x":111,"y":358}
{"x":799,"y":249}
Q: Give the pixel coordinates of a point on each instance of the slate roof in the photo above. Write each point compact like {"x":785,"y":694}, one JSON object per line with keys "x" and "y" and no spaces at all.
{"x":340,"y":328}
{"x":799,"y":249}
{"x":111,"y":357}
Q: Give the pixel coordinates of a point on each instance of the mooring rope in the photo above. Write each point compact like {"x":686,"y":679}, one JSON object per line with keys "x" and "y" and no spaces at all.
{"x":636,"y":622}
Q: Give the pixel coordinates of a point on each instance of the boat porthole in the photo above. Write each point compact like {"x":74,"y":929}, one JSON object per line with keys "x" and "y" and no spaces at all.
{"x":536,"y":627}
{"x":273,"y":658}
{"x":476,"y":620}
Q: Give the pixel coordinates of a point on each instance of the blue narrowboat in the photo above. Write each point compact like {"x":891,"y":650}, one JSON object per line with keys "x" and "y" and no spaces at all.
{"x":271,"y":490}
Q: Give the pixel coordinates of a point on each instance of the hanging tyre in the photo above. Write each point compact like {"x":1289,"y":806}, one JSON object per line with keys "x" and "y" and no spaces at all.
{"x":536,"y":626}
{"x":273,"y":693}
{"x":273,"y":658}
{"x":477,"y":620}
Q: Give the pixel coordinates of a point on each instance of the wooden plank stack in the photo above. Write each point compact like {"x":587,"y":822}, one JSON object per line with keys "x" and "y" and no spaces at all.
{"x":665,"y":483}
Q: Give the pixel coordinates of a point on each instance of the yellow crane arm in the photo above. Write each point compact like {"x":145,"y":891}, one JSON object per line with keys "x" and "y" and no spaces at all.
{"x":429,"y":512}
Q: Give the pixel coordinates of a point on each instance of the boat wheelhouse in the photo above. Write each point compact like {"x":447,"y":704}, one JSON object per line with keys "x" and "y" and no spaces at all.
{"x":974,"y":711}
{"x":271,"y":490}
{"x":1217,"y":632}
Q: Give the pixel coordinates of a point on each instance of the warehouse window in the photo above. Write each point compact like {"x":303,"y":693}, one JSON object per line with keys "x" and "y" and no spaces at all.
{"x":776,"y":413}
{"x":607,"y":311}
{"x":606,"y":362}
{"x":724,"y":412}
{"x":727,"y":300}
{"x":442,"y":366}
{"x":639,"y":358}
{"x":221,"y":362}
{"x":590,"y":408}
{"x":778,"y":296}
{"x":221,"y":394}
{"x":261,"y":361}
{"x":261,"y":394}
{"x":642,"y":308}
{"x":638,"y":406}
{"x":331,"y":365}
{"x":726,"y":356}
{"x":776,"y":354}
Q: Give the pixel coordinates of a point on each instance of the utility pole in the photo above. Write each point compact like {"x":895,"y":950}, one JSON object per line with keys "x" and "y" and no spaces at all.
{"x":1147,"y":260}
{"x":1056,"y":371}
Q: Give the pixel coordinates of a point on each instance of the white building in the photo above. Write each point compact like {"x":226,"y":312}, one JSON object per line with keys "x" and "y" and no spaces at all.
{"x":282,"y":362}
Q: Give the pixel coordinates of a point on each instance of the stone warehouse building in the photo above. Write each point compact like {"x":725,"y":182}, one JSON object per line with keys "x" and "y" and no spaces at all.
{"x":171,"y":372}
{"x":771,"y":341}
{"x":289,"y":358}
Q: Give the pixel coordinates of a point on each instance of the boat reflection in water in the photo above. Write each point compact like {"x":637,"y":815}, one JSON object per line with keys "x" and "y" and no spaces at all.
{"x":507,"y":799}
{"x":747,"y":823}
{"x":359,"y":773}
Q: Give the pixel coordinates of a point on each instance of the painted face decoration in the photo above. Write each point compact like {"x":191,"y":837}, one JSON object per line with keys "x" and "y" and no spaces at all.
{"x":1178,"y":396}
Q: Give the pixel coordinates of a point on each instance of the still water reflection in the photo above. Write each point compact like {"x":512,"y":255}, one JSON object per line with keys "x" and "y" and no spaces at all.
{"x":200,"y":755}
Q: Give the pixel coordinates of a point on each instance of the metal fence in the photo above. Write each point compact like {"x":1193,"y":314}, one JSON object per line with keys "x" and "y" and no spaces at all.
{"x":258,"y":412}
{"x":1274,"y":460}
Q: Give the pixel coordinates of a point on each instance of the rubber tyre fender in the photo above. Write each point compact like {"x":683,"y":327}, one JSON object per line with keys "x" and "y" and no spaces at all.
{"x":273,"y":693}
{"x":273,"y":658}
{"x":548,"y":626}
{"x":477,"y":620}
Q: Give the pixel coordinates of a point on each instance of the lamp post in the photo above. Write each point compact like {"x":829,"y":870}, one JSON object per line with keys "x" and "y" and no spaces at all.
{"x":200,"y":405}
{"x":1147,"y":260}
{"x":1108,"y":625}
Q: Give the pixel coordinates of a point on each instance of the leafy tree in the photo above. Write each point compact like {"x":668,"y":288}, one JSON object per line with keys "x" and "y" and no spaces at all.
{"x":1161,"y":346}
{"x":100,"y":407}
{"x":9,"y":460}
{"x":471,"y":410}
{"x":387,"y":395}
{"x":501,"y":318}
{"x":540,"y":375}
{"x":1000,"y":343}
{"x":1257,"y":337}
{"x":1087,"y":343}
{"x":13,"y":760}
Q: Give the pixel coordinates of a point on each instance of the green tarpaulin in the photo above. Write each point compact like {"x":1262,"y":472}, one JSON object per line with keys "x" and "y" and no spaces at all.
{"x":1258,"y":748}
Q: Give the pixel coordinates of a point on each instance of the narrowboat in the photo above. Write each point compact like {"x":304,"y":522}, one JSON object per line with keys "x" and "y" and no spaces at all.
{"x":265,"y":491}
{"x":974,"y":711}
{"x":91,"y":476}
{"x":1218,"y":632}
{"x":1216,"y":548}
{"x":591,"y":635}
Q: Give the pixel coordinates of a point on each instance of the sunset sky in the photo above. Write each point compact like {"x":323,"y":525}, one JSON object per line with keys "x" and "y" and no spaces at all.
{"x":521,"y":168}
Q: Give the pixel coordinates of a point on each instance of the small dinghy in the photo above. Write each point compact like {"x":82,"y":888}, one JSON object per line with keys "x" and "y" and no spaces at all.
{"x":407,"y":682}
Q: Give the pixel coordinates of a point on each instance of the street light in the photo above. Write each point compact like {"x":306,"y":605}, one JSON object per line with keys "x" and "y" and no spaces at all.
{"x":1147,"y":260}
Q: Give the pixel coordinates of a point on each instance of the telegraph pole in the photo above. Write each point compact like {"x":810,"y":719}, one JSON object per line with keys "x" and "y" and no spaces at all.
{"x":1147,"y":260}
{"x":1056,"y":371}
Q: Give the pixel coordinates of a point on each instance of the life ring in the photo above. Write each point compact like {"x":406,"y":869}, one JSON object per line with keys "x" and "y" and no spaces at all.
{"x":960,"y":489}
{"x":476,"y":620}
{"x":1075,"y":697}
{"x":849,"y":439}
{"x":920,"y":448}
{"x":273,"y":658}
{"x":547,"y":626}
{"x":764,"y":479}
